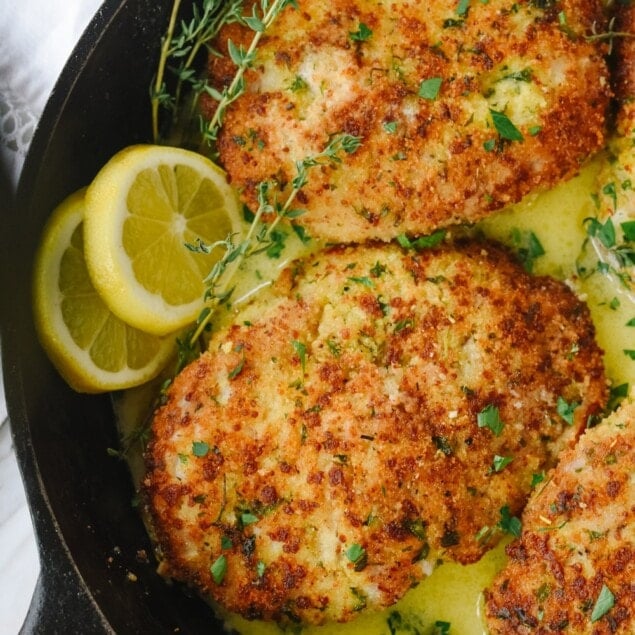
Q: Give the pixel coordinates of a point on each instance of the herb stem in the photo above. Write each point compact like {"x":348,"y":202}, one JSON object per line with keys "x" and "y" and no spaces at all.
{"x":228,"y":275}
{"x":158,"y":82}
{"x":236,"y":87}
{"x":235,"y":255}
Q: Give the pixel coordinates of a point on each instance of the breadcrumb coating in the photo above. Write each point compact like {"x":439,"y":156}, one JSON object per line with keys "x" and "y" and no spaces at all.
{"x":459,"y":113}
{"x":377,"y":413}
{"x":578,"y":538}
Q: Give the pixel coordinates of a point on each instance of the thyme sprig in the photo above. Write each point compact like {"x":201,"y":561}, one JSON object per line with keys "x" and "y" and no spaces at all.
{"x":614,"y":257}
{"x":610,"y":34}
{"x":260,"y":234}
{"x":261,"y":19}
{"x":183,"y":48}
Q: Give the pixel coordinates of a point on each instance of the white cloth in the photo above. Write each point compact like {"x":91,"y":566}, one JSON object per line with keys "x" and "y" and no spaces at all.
{"x":36,"y":38}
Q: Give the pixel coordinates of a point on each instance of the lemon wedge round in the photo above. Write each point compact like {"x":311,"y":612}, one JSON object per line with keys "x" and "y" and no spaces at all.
{"x":93,"y":350}
{"x":142,"y":208}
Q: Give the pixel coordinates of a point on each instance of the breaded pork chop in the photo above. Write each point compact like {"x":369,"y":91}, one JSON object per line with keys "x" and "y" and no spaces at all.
{"x":462,"y":108}
{"x":383,"y":410}
{"x":573,"y":569}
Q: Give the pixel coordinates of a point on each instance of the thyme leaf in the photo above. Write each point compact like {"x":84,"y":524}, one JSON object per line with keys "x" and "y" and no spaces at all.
{"x":262,"y":237}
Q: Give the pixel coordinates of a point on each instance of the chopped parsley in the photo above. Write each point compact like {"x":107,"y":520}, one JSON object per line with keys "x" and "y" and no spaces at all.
{"x":300,"y":350}
{"x":200,"y":448}
{"x":524,"y":75}
{"x":463,"y":7}
{"x":489,"y":417}
{"x":423,"y":242}
{"x":504,"y":126}
{"x":236,"y":370}
{"x":301,"y":233}
{"x":357,"y":555}
{"x":247,"y":518}
{"x":362,"y":34}
{"x":378,"y":269}
{"x":219,"y":569}
{"x":604,"y":232}
{"x":483,"y":534}
{"x":508,"y":523}
{"x":528,"y":247}
{"x":537,"y":478}
{"x":628,"y":228}
{"x":360,"y":599}
{"x":610,"y":190}
{"x":298,"y":84}
{"x":617,"y":394}
{"x":604,"y":603}
{"x":277,"y":238}
{"x":441,"y":628}
{"x":489,"y":145}
{"x":334,"y":347}
{"x":500,"y":462}
{"x":410,"y":624}
{"x":566,"y":410}
{"x":417,"y":528}
{"x":226,"y":543}
{"x":390,"y":126}
{"x":443,"y":444}
{"x":407,"y":323}
{"x":363,"y":280}
{"x":429,"y":88}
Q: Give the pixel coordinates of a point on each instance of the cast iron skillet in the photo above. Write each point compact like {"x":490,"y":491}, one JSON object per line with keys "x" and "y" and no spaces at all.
{"x":88,"y":532}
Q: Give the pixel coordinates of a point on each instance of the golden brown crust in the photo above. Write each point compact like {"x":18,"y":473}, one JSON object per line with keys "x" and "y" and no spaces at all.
{"x":424,"y":162}
{"x":578,"y":536}
{"x":345,"y":412}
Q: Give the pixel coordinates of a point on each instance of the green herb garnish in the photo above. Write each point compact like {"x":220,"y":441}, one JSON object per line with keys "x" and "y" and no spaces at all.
{"x":219,"y":569}
{"x":508,"y":523}
{"x":390,"y":126}
{"x":357,"y":555}
{"x":200,"y":449}
{"x":429,"y":88}
{"x":604,"y":603}
{"x":247,"y":518}
{"x":300,"y":350}
{"x":504,"y":126}
{"x":566,"y":410}
{"x":489,"y":417}
{"x":500,"y":462}
{"x":362,"y":34}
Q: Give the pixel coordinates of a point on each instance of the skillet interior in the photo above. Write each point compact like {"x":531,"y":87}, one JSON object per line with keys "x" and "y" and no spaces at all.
{"x":88,"y":532}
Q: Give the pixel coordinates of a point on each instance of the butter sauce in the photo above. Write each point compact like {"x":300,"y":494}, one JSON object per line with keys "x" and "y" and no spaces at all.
{"x":453,"y":593}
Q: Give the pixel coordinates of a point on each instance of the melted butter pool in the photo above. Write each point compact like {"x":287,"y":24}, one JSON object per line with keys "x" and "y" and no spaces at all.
{"x":453,"y":593}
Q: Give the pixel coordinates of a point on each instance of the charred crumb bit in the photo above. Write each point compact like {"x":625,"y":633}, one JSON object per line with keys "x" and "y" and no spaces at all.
{"x":142,"y":556}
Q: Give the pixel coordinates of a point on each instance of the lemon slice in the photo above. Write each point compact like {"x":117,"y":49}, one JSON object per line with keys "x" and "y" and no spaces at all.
{"x":142,"y":208}
{"x":92,"y":349}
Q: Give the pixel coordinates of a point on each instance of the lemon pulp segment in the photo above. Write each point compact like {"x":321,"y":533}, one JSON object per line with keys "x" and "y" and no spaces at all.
{"x":143,"y":207}
{"x":91,"y":348}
